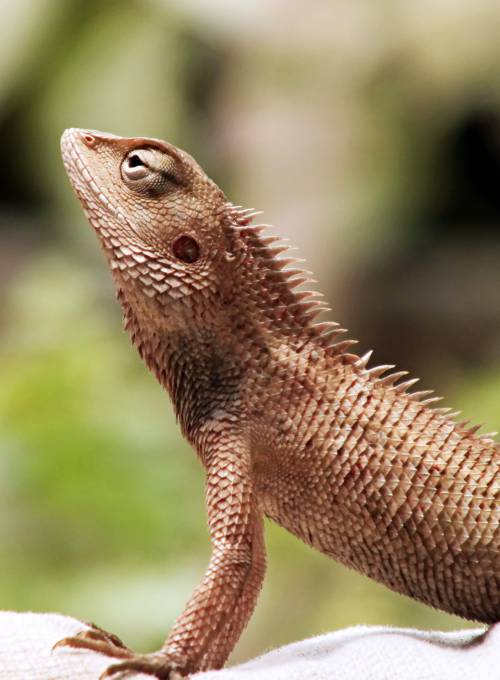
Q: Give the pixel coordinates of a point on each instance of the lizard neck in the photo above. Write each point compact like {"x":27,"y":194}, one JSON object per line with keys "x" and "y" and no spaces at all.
{"x":200,"y":374}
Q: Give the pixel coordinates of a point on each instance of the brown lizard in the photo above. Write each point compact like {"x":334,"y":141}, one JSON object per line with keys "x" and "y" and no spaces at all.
{"x":287,"y":422}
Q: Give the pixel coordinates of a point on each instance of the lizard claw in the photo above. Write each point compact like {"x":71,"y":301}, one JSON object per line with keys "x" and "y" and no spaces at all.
{"x":95,"y":639}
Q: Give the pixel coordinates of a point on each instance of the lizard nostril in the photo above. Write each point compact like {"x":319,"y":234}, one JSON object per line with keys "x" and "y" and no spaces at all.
{"x":88,"y":140}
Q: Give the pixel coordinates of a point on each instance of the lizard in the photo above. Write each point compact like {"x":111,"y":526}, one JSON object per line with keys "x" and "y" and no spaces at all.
{"x":288,"y":422}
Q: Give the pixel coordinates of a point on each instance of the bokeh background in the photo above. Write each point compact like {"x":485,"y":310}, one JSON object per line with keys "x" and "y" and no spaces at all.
{"x":370,"y":134}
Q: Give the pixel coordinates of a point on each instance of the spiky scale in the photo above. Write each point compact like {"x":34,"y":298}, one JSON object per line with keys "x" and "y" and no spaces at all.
{"x":363,"y":360}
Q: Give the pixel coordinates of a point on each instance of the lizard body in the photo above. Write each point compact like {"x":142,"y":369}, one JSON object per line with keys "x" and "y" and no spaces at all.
{"x":287,"y":422}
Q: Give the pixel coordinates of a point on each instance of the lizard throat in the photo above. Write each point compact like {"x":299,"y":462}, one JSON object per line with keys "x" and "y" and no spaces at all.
{"x":201,"y":377}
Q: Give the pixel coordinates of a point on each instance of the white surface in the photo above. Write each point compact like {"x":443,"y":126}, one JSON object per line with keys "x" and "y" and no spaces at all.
{"x":378,"y":653}
{"x":368,"y":653}
{"x":26,"y":642}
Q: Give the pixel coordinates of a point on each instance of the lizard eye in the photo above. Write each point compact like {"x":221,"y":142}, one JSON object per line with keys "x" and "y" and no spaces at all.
{"x":149,"y":171}
{"x":134,"y":167}
{"x":186,"y":248}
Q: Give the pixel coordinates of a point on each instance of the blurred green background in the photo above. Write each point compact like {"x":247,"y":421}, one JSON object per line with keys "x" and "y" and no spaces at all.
{"x":369,"y":133}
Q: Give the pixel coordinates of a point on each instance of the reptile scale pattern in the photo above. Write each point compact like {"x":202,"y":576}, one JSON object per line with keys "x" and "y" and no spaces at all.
{"x":287,"y":422}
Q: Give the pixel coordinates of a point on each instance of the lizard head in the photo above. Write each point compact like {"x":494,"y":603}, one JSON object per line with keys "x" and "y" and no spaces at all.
{"x":159,"y":219}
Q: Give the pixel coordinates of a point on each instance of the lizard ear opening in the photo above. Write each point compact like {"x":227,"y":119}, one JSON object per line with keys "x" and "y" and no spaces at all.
{"x":186,"y":248}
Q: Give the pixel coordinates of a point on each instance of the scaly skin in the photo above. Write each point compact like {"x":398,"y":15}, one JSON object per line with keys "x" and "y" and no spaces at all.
{"x":287,"y":422}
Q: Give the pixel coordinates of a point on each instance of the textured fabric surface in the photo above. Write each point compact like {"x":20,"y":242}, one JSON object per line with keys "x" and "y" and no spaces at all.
{"x":378,"y":653}
{"x":26,"y":641}
{"x":371,"y":653}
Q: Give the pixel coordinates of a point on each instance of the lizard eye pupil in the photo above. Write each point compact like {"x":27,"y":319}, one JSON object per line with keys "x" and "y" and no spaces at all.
{"x":186,"y":248}
{"x":134,"y":161}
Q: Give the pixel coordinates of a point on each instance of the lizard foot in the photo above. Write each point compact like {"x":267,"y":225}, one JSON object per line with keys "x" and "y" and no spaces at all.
{"x":159,"y":665}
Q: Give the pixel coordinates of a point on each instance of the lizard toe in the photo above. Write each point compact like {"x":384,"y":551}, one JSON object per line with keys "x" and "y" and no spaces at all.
{"x":97,"y":640}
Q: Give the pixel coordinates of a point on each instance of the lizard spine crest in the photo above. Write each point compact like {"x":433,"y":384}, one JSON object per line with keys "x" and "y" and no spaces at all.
{"x":287,"y":278}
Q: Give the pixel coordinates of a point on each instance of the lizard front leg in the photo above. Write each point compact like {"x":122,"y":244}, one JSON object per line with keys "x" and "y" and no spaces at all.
{"x":216,"y":655}
{"x":227,"y":595}
{"x":206,"y":632}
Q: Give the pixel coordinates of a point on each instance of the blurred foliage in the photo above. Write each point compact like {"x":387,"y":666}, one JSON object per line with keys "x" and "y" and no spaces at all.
{"x":369,"y":131}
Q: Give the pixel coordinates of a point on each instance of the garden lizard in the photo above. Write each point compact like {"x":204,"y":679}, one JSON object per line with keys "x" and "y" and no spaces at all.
{"x":288,"y":422}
